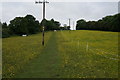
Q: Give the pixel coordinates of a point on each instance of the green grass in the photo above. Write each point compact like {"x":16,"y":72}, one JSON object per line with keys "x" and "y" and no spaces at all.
{"x":89,"y":54}
{"x":0,"y":58}
{"x":67,"y":54}
{"x":18,"y":51}
{"x":47,"y":64}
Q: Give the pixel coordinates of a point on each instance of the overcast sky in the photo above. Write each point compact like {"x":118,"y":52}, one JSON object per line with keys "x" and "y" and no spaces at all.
{"x":60,"y":11}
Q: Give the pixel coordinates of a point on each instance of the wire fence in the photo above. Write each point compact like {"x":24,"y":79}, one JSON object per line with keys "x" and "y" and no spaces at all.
{"x":91,"y":49}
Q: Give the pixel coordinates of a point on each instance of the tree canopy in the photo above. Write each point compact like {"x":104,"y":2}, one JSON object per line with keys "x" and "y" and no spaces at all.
{"x":108,"y":23}
{"x":50,"y":24}
{"x":5,"y":30}
{"x":24,"y":25}
{"x":27,"y":25}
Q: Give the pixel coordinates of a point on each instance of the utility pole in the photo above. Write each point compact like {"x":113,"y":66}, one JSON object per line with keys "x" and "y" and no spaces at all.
{"x":43,"y":2}
{"x":69,"y":22}
{"x":73,"y":25}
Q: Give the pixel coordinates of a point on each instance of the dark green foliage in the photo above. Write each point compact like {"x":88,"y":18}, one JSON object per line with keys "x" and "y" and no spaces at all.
{"x":108,"y":23}
{"x":16,"y":26}
{"x":81,"y":23}
{"x":32,"y":25}
{"x":50,"y":24}
{"x":28,"y":25}
{"x":5,"y":31}
{"x":68,"y":27}
{"x":65,"y":27}
{"x":62,"y":28}
{"x":24,"y":25}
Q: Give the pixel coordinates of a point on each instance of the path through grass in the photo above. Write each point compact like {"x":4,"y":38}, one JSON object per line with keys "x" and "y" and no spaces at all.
{"x":65,"y":55}
{"x":47,"y":64}
{"x":18,"y":51}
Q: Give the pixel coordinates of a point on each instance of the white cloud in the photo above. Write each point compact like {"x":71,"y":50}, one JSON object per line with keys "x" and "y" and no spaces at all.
{"x":60,"y":11}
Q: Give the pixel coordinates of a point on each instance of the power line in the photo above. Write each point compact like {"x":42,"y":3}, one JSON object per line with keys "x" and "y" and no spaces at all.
{"x":42,"y":2}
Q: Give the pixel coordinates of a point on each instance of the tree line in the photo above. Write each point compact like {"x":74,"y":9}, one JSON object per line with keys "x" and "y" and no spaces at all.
{"x":27,"y":25}
{"x":108,"y":23}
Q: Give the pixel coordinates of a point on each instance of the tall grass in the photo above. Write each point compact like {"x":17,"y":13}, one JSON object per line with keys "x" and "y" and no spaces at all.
{"x":18,"y":51}
{"x":89,"y":54}
{"x":0,"y":58}
{"x":81,"y":54}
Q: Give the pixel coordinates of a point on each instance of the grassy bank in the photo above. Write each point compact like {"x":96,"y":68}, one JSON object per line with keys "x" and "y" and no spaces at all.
{"x":18,"y":51}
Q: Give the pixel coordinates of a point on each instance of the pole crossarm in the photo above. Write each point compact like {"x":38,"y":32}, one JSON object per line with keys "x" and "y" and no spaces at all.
{"x":42,"y":2}
{"x":39,"y":2}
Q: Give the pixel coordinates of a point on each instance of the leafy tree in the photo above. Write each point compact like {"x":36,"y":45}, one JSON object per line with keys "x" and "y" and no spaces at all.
{"x":16,"y":27}
{"x":65,"y":27}
{"x":81,"y":24}
{"x":108,"y":23}
{"x":24,"y":25}
{"x":50,"y":24}
{"x":68,"y":27}
{"x":32,"y":24}
{"x":5,"y":30}
{"x":62,"y":28}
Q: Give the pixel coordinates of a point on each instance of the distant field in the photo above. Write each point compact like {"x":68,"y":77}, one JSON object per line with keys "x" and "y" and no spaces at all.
{"x":67,"y":54}
{"x":89,"y":54}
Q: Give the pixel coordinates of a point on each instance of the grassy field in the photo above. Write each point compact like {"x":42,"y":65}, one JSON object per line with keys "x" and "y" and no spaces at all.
{"x":67,"y":54}
{"x":89,"y":54}
{"x":0,"y":58}
{"x":19,"y":51}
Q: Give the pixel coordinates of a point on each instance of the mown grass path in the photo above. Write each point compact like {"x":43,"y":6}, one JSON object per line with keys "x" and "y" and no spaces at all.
{"x":65,"y":55}
{"x":46,"y":65}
